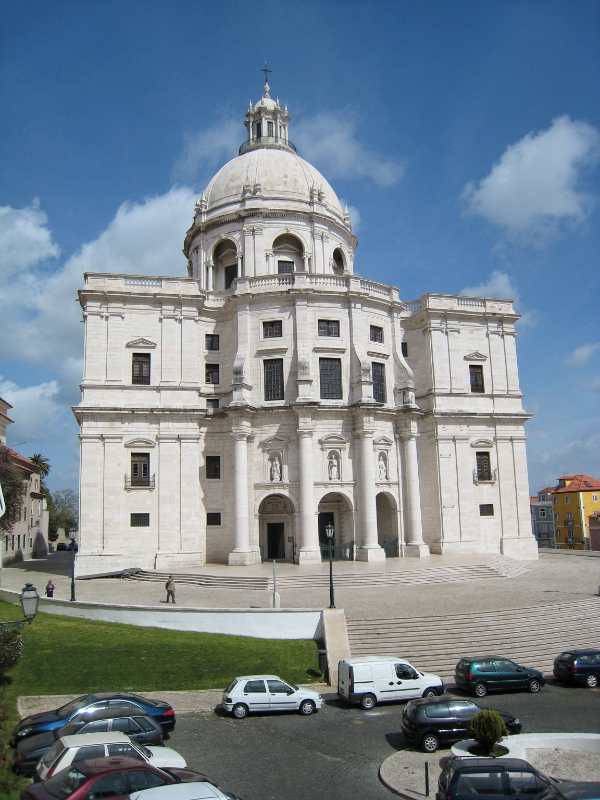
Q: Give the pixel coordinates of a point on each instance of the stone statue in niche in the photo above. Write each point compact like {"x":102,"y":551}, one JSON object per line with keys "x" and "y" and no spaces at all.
{"x":382,"y":467}
{"x":276,"y":469}
{"x":333,"y":467}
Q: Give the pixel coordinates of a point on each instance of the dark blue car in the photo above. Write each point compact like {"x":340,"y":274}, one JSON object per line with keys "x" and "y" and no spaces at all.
{"x":161,"y":711}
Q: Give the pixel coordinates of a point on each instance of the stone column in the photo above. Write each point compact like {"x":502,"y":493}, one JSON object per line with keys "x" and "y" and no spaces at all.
{"x":370,"y":549}
{"x":310,"y":551}
{"x":306,"y":261}
{"x":241,"y":555}
{"x":249,"y":252}
{"x":240,"y":265}
{"x":209,"y":276}
{"x":415,"y":546}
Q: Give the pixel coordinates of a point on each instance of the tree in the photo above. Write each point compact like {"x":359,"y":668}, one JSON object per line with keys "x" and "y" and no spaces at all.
{"x":43,"y":464}
{"x":487,"y":728}
{"x":64,"y":513}
{"x":13,"y":489}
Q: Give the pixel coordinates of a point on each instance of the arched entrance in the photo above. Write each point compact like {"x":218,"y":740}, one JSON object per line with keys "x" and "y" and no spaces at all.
{"x":276,"y":528}
{"x":336,"y":508}
{"x":387,"y":522}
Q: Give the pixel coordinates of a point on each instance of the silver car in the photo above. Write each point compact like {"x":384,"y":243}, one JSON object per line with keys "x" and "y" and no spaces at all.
{"x":252,"y":693}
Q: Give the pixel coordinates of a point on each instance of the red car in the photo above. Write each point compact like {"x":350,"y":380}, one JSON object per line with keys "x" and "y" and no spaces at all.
{"x":112,"y":778}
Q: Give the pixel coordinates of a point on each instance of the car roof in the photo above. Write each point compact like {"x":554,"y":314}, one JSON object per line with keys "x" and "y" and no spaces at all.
{"x":485,"y":763}
{"x":110,"y":713}
{"x":80,"y":739}
{"x":179,"y":791}
{"x":484,"y":658}
{"x":260,"y":677}
{"x":367,"y":659}
{"x":94,"y":766}
{"x":444,"y":698}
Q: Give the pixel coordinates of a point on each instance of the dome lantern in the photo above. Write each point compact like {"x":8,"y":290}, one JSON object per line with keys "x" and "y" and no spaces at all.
{"x":267,"y":124}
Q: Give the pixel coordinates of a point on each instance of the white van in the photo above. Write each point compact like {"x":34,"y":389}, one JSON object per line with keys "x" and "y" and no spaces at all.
{"x":368,"y":680}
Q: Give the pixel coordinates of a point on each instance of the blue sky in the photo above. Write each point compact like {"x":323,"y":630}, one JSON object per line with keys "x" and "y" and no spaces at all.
{"x":465,"y":137}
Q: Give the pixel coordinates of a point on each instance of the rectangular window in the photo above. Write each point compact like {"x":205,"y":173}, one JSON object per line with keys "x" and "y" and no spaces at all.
{"x":568,"y":499}
{"x":557,"y":533}
{"x":330,"y":372}
{"x":476,"y":378}
{"x":213,"y":467}
{"x":543,"y":529}
{"x":285,"y":267}
{"x":569,"y":519}
{"x":484,"y":472}
{"x":557,"y":517}
{"x":212,"y":341}
{"x":571,"y":536}
{"x":258,"y":130}
{"x":376,"y":334}
{"x":556,"y":501}
{"x":594,"y":498}
{"x":486,"y":510}
{"x":213,"y":518}
{"x":274,"y":379}
{"x":140,"y":520}
{"x":272,"y":330}
{"x":270,"y":128}
{"x":212,"y":373}
{"x":542,"y":512}
{"x":230,"y":275}
{"x":140,"y":469}
{"x":329,"y":327}
{"x":212,"y":404}
{"x":378,"y":378}
{"x":141,"y":369}
{"x":405,"y":349}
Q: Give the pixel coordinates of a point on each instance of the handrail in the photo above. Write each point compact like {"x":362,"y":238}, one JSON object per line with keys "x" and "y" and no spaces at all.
{"x":261,"y":141}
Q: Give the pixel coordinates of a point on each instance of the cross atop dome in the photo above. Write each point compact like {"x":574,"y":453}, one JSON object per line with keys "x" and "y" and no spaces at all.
{"x":266,"y":123}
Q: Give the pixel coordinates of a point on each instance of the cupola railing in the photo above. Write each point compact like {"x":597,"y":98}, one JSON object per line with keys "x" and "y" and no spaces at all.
{"x":260,"y":141}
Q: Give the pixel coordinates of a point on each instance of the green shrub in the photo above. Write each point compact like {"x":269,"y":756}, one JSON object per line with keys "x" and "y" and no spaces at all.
{"x":487,"y":728}
{"x":11,"y":649}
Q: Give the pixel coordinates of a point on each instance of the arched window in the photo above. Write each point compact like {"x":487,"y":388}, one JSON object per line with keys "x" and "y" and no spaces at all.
{"x":338,"y":261}
{"x":226,"y":264}
{"x":288,"y":252}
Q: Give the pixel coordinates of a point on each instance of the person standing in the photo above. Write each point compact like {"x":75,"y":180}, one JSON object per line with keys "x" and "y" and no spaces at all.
{"x":50,"y":589}
{"x":170,"y":587}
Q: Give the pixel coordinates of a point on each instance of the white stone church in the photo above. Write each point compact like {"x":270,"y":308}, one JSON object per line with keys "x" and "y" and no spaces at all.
{"x":233,"y":414}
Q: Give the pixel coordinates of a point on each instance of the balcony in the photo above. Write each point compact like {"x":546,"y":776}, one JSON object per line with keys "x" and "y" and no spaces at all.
{"x":266,"y":141}
{"x":485,"y":477}
{"x":148,"y":482}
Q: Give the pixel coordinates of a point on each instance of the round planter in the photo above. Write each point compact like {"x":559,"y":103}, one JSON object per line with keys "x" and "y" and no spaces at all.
{"x":517,"y":745}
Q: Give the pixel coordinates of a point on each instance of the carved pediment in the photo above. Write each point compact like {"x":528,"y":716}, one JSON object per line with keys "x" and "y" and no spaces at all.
{"x":476,"y":356}
{"x":274,"y":443}
{"x":144,"y":344}
{"x":333,"y":439}
{"x":482,"y":443}
{"x":383,"y":441}
{"x":140,"y":443}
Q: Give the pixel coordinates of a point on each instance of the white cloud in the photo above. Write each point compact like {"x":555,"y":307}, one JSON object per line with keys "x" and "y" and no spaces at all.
{"x":581,"y":355}
{"x":208,"y":148}
{"x":35,"y":410}
{"x":594,"y":384}
{"x":24,"y":238}
{"x":532,"y":190}
{"x":498,"y":285}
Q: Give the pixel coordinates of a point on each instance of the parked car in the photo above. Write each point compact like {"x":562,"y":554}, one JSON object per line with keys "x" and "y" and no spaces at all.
{"x":493,"y":673}
{"x":107,"y":777}
{"x":429,"y":722}
{"x":368,"y":680}
{"x":161,"y":711}
{"x":183,"y":791}
{"x":82,"y":747}
{"x":490,"y":777}
{"x":136,"y":723}
{"x":578,"y":666}
{"x":61,"y":546}
{"x":572,"y":790}
{"x":252,"y":693}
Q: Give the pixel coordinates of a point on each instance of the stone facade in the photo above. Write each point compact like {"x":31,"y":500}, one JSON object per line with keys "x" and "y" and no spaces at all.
{"x":234,"y":413}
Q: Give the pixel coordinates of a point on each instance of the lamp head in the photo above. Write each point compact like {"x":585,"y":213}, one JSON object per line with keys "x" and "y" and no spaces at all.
{"x":329,"y":530}
{"x":29,"y":601}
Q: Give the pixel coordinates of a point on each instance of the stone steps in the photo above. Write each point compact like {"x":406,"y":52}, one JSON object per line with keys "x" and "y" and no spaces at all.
{"x":533,"y":636}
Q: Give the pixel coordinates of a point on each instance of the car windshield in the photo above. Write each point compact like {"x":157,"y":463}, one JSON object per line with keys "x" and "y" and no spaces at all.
{"x":148,"y":701}
{"x":568,"y":657}
{"x":144,"y":750}
{"x":232,"y":685}
{"x":74,"y":705}
{"x":57,"y":749}
{"x":65,"y":783}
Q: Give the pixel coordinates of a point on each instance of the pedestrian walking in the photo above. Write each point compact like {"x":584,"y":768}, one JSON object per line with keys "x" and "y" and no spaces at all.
{"x":170,"y":587}
{"x":50,"y":589}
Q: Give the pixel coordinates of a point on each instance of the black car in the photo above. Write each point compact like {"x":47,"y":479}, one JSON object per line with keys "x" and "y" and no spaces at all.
{"x":494,"y":673}
{"x":133,"y":721}
{"x":572,"y":790}
{"x":578,"y":666}
{"x":431,"y":721}
{"x":490,"y":777}
{"x":61,"y":546}
{"x":161,"y":711}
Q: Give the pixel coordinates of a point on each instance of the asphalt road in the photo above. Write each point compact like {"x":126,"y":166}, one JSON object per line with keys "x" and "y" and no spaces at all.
{"x":336,"y":753}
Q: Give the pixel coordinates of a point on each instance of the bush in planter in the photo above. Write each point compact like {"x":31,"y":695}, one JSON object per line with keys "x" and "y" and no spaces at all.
{"x":11,"y":649}
{"x":487,"y":728}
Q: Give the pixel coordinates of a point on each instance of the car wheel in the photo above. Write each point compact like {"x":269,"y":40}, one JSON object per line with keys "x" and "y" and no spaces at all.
{"x":307,"y":707}
{"x":240,"y":711}
{"x":480,"y":689}
{"x":430,"y":743}
{"x":430,"y":693}
{"x":534,"y":686}
{"x":368,"y":701}
{"x":591,"y":681}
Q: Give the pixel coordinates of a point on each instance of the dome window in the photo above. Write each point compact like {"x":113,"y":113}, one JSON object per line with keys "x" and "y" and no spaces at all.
{"x":338,"y":261}
{"x":270,"y":129}
{"x":285,"y":267}
{"x":259,"y":130}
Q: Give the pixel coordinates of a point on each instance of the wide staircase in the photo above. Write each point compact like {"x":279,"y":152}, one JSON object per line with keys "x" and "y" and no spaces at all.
{"x":530,"y":636}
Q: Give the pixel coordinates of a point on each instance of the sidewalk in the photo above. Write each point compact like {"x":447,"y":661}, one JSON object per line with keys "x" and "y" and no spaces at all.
{"x":404,"y":772}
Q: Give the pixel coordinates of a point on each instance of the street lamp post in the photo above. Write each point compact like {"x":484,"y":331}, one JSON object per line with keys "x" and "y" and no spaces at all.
{"x":74,"y":549}
{"x":29,"y":603}
{"x":329,"y":531}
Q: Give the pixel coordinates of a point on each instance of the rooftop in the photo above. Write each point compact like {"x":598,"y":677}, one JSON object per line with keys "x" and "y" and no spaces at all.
{"x":577,"y":483}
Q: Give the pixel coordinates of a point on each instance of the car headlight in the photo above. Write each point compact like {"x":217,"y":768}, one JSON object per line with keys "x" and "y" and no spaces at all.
{"x":24,"y":731}
{"x":516,"y":721}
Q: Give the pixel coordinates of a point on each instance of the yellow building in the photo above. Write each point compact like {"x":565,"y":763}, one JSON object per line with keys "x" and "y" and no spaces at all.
{"x":573,"y":501}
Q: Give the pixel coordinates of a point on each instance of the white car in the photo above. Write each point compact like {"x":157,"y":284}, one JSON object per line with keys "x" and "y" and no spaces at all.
{"x":268,"y":693}
{"x":84,"y":746}
{"x":183,"y":791}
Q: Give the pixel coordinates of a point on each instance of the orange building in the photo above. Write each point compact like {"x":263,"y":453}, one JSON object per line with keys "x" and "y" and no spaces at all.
{"x":574,"y":500}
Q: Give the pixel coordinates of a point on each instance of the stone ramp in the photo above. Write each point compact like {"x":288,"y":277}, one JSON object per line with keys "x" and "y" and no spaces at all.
{"x":498,"y":567}
{"x":533,"y":636}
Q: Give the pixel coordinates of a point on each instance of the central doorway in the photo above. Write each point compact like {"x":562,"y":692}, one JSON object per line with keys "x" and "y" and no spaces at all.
{"x":326,"y":518}
{"x":275,"y":540}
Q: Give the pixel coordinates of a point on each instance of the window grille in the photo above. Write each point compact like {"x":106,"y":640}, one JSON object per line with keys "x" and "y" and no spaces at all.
{"x":212,"y":404}
{"x":212,"y":341}
{"x":484,"y":472}
{"x":285,"y":267}
{"x":376,"y":334}
{"x":329,"y":327}
{"x":486,"y":510}
{"x":212,"y":373}
{"x":405,"y":349}
{"x":140,"y":469}
{"x":272,"y":330}
{"x":330,"y":370}
{"x":230,"y":275}
{"x":378,"y":376}
{"x":270,"y":128}
{"x":274,"y":379}
{"x":213,"y":467}
{"x":140,"y":520}
{"x":141,"y":369}
{"x":213,"y":518}
{"x":476,"y":376}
